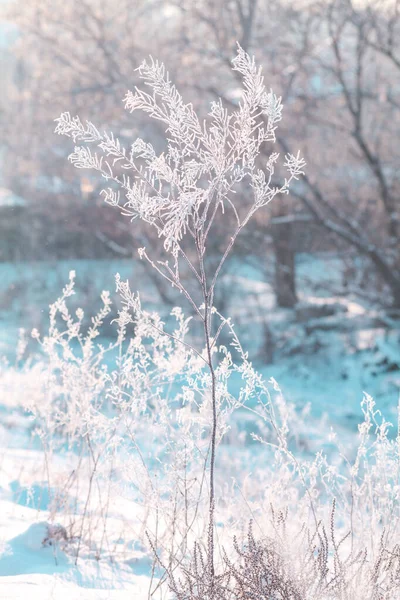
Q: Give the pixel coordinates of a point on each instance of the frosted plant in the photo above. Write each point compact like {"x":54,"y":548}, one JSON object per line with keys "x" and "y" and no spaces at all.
{"x":181,"y":192}
{"x":332,"y":529}
{"x":182,"y":189}
{"x":350,"y":551}
{"x":162,"y":383}
{"x":95,"y":405}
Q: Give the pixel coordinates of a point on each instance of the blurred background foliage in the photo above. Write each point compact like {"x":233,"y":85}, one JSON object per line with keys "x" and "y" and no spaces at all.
{"x":324,"y":263}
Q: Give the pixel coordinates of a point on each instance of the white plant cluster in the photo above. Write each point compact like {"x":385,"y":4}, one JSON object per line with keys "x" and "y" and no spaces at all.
{"x":106,"y":402}
{"x":102,"y":405}
{"x":181,"y":191}
{"x":178,"y":190}
{"x":97,"y":405}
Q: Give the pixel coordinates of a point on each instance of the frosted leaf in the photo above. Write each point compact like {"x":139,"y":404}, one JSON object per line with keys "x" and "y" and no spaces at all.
{"x":142,"y":149}
{"x":177,"y":216}
{"x":271,"y":105}
{"x":271,"y":162}
{"x":161,"y":169}
{"x":253,"y":80}
{"x":111,"y":196}
{"x":295,"y":165}
{"x":83,"y":158}
{"x":74,"y":128}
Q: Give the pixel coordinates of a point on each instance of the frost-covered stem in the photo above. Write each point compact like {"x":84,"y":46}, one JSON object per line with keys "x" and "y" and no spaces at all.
{"x":191,"y":266}
{"x":208,"y":302}
{"x":208,"y":296}
{"x":207,"y":322}
{"x":85,"y":510}
{"x":230,"y":246}
{"x":173,"y":280}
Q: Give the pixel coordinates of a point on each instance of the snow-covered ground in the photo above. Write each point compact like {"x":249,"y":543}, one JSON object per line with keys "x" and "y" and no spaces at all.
{"x":34,"y":567}
{"x":36,"y":561}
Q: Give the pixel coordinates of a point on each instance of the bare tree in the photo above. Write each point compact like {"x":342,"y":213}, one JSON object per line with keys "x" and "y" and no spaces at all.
{"x":351,"y":123}
{"x":335,"y":65}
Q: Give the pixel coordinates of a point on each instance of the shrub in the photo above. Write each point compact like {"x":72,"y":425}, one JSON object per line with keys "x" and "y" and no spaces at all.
{"x":180,"y":193}
{"x":155,"y":379}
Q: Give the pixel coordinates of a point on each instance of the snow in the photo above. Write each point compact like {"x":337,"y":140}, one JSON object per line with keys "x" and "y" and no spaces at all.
{"x":36,"y":562}
{"x":32,"y":568}
{"x":30,"y":556}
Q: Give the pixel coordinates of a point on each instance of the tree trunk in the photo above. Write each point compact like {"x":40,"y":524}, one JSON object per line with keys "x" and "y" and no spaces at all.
{"x":285,"y":268}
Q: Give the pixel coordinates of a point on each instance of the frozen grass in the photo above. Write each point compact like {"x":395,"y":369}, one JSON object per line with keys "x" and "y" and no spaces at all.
{"x":93,"y":469}
{"x":342,"y":365}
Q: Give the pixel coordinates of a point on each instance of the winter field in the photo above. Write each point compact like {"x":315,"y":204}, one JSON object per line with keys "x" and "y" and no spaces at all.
{"x":46,"y":517}
{"x":217,"y":418}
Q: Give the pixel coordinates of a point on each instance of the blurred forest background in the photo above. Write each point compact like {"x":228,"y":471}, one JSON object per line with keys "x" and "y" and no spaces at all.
{"x":324,"y":262}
